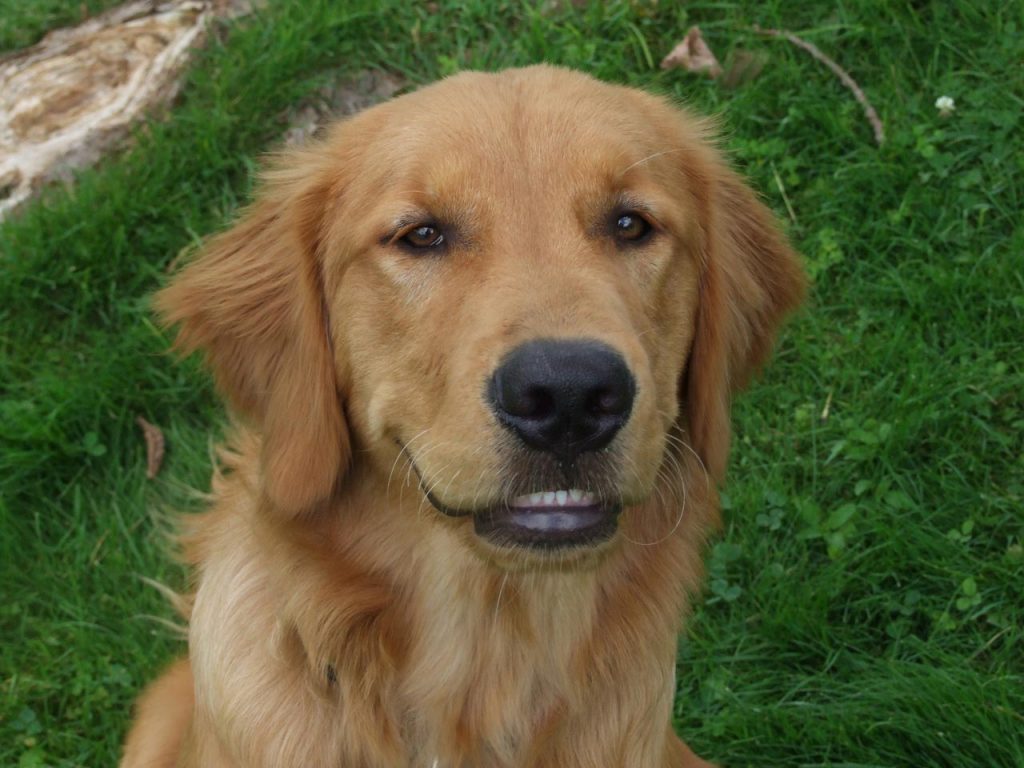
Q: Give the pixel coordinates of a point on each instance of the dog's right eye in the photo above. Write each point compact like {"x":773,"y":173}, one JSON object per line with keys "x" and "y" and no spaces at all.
{"x":423,"y":236}
{"x":631,"y":227}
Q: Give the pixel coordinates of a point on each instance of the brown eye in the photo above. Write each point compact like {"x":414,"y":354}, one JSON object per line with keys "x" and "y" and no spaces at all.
{"x":631,"y":227}
{"x":424,"y":236}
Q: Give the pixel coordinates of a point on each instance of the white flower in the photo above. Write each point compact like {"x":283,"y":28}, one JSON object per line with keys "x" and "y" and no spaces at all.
{"x":945,"y":105}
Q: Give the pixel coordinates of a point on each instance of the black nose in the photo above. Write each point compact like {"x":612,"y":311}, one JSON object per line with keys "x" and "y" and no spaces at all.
{"x":564,"y":397}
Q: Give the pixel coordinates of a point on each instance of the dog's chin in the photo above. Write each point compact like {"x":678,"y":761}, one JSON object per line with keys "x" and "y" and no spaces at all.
{"x":553,"y":522}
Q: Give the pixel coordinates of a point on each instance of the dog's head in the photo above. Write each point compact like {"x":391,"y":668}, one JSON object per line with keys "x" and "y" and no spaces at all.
{"x":531,"y":287}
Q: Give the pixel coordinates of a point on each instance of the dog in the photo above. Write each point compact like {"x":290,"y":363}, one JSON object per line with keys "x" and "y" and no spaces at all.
{"x":482,"y":341}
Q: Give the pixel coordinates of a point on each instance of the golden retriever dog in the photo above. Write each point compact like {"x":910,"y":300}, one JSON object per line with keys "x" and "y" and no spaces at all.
{"x":482,"y":341}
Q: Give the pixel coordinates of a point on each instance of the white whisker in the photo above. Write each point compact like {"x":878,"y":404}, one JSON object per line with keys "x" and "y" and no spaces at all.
{"x":669,"y":477}
{"x":501,"y":590}
{"x":402,"y":453}
{"x":642,"y":160}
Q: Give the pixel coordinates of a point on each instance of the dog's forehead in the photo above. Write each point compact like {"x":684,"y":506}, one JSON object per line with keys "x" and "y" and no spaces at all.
{"x":537,"y":126}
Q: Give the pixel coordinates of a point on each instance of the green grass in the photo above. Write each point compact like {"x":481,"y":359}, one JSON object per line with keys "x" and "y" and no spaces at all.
{"x":23,"y":22}
{"x":866,"y":604}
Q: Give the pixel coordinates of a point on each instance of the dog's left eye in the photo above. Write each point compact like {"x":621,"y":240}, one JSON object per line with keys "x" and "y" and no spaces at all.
{"x":424,"y":236}
{"x":631,"y":227}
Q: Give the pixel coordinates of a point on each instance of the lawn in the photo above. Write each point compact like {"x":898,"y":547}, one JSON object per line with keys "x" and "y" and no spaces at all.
{"x":866,"y":600}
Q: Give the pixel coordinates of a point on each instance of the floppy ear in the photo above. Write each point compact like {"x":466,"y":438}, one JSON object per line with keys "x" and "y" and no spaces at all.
{"x":751,"y":279}
{"x":253,"y":302}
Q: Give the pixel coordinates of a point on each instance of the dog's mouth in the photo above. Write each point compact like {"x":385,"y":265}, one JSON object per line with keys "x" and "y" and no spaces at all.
{"x":561,"y":519}
{"x":549,"y":520}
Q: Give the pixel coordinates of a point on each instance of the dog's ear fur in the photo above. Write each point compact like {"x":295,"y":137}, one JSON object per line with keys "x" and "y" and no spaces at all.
{"x":751,"y":280}
{"x":253,"y":302}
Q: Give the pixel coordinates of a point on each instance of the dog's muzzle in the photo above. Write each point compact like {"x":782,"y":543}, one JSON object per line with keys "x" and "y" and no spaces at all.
{"x":564,"y":398}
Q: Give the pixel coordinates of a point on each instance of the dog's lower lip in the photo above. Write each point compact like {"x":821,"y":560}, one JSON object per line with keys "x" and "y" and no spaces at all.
{"x":545,"y":521}
{"x":547,"y":527}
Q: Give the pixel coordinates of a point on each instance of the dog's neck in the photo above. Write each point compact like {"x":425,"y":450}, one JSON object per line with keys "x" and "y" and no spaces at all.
{"x":496,"y":652}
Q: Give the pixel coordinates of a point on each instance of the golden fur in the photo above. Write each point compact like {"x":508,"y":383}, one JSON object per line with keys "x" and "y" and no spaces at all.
{"x":339,"y":620}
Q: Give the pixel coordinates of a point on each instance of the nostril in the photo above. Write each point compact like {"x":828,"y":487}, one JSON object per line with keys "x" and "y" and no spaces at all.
{"x":535,"y":402}
{"x":607,"y":402}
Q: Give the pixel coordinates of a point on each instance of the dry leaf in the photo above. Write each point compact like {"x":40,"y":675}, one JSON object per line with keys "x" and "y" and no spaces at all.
{"x":154,"y":446}
{"x":693,"y":55}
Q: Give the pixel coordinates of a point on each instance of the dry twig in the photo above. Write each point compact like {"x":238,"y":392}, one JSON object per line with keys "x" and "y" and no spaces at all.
{"x":842,"y":74}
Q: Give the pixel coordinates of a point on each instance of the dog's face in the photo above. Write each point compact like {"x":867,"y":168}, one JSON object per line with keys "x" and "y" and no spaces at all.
{"x":525,"y":289}
{"x":514,"y":311}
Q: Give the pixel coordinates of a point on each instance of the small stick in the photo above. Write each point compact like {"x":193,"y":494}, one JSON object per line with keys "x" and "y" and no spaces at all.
{"x":841,"y":73}
{"x":782,"y":191}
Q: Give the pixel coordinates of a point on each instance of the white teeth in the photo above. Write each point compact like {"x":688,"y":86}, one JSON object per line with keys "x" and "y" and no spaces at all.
{"x":574,"y":497}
